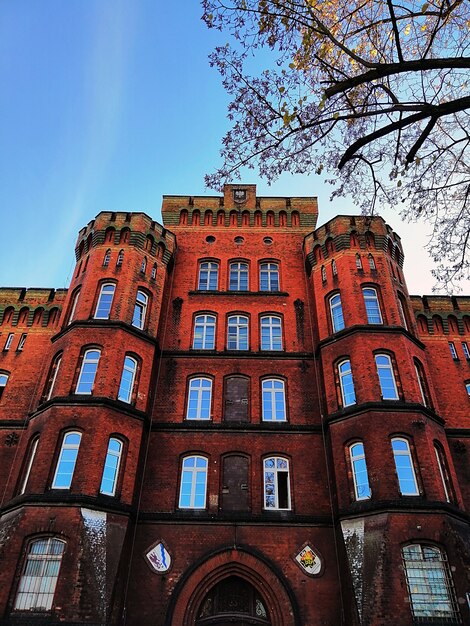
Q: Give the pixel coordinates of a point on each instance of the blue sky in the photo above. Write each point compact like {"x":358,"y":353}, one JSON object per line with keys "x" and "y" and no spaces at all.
{"x":108,"y":105}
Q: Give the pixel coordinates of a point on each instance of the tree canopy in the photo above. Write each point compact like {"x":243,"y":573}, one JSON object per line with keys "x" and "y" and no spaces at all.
{"x":374,"y":93}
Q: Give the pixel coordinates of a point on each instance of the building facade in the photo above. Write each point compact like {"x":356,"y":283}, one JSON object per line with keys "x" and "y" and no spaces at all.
{"x":234,"y":418}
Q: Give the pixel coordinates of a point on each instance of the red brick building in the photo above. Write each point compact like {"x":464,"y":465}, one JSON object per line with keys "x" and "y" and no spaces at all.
{"x":234,"y":418}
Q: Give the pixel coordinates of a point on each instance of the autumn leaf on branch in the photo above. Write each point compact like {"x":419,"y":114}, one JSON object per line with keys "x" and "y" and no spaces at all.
{"x":375,"y":92}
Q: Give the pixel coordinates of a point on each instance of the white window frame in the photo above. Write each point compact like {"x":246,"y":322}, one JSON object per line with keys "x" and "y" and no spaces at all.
{"x":271,"y":323}
{"x":73,"y":308}
{"x":139,"y":314}
{"x":281,"y":466}
{"x":3,"y":382}
{"x":401,"y":308}
{"x":238,"y":271}
{"x":107,"y":257}
{"x":386,"y":367}
{"x":143,"y":266}
{"x":356,"y":458}
{"x":345,"y":374}
{"x":193,"y":472}
{"x":198,"y":391}
{"x":466,"y":350}
{"x":67,"y":447}
{"x":269,"y":390}
{"x":207,"y":271}
{"x":126,"y":386}
{"x":453,"y":351}
{"x":153,"y":274}
{"x":404,"y":453}
{"x":105,"y":301}
{"x":372,"y":264}
{"x":336,"y":305}
{"x":334,"y":269}
{"x":237,"y":323}
{"x":21,"y":342}
{"x":8,"y":342}
{"x":358,"y":262}
{"x":371,"y":299}
{"x":202,"y":323}
{"x":88,"y":360}
{"x":440,"y":458}
{"x":32,"y":453}
{"x":269,"y":274}
{"x":112,"y":462}
{"x":421,"y":383}
{"x":323,"y":274}
{"x":54,"y":371}
{"x":120,"y":258}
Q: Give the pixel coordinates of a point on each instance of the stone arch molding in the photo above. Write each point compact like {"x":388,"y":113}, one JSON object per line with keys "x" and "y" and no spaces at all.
{"x":234,"y":562}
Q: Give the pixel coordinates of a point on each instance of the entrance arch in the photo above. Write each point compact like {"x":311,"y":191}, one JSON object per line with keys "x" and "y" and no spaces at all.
{"x":253,"y":577}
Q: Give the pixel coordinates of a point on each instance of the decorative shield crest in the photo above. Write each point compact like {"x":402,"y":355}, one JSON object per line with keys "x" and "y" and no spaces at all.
{"x":159,"y":558}
{"x":309,"y":561}
{"x":239,"y":195}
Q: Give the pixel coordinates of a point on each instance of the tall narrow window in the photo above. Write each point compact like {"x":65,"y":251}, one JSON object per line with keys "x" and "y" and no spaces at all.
{"x":51,"y":380}
{"x":9,"y":341}
{"x":276,"y":483}
{"x":73,"y":306}
{"x":204,"y":332}
{"x":269,"y":277}
{"x":359,"y":471}
{"x":105,"y":300}
{"x":237,"y":335}
{"x":111,"y":467}
{"x":21,"y":342}
{"x":334,"y":269}
{"x":422,"y":383}
{"x":336,"y":311}
{"x":444,"y":472}
{"x":404,"y":466}
{"x":3,"y":383}
{"x":323,"y":274}
{"x":467,"y":387}
{"x":67,"y":459}
{"x":143,"y":266}
{"x":120,"y":258}
{"x":86,"y":378}
{"x":271,"y":333}
{"x":452,"y":349}
{"x":346,"y":383}
{"x":199,"y":399}
{"x":107,"y":257}
{"x":274,"y":400}
{"x":238,"y":277}
{"x":430,"y":587}
{"x":358,"y":262}
{"x":126,"y":387}
{"x":140,"y":310}
{"x":401,"y":310}
{"x":153,"y":275}
{"x":371,"y":262}
{"x":388,"y":385}
{"x":466,"y":350}
{"x":208,"y":276}
{"x":39,"y":576}
{"x":193,"y":483}
{"x":27,"y":470}
{"x":372,"y":306}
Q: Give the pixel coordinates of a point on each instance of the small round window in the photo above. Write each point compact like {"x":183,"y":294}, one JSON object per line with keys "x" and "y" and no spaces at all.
{"x":239,"y":240}
{"x":210,"y":239}
{"x":268,"y":241}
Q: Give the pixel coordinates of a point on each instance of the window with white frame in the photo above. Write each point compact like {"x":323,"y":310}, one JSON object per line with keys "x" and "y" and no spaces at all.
{"x":237,"y":332}
{"x":388,"y":386}
{"x":86,"y":378}
{"x":334,"y":269}
{"x":199,"y":399}
{"x":401,"y":309}
{"x":120,"y":258}
{"x":126,"y":386}
{"x":21,"y":342}
{"x":208,"y":276}
{"x":238,"y":279}
{"x":143,"y":266}
{"x":323,"y":274}
{"x":467,"y":387}
{"x":466,"y":350}
{"x":140,"y":309}
{"x":371,"y":260}
{"x":346,"y":383}
{"x":336,"y":311}
{"x":9,"y":341}
{"x":443,"y":471}
{"x":453,"y":351}
{"x":3,"y":382}
{"x":423,"y":387}
{"x":271,"y":333}
{"x":371,"y":301}
{"x":27,"y":471}
{"x":107,"y":257}
{"x":53,"y":372}
{"x":105,"y":300}
{"x":359,"y":471}
{"x":153,"y":273}
{"x":66,"y":462}
{"x":193,"y":483}
{"x":73,"y":306}
{"x":273,"y":400}
{"x":39,"y":575}
{"x":276,"y":483}
{"x":269,"y":277}
{"x":430,"y":587}
{"x":111,"y":467}
{"x":404,"y":466}
{"x":358,"y":262}
{"x":204,"y":332}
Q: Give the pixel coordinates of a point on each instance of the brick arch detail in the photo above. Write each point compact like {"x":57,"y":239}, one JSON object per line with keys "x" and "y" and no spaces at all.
{"x":280,"y":600}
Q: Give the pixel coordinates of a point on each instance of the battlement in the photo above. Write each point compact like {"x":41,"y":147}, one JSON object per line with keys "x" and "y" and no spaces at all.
{"x":21,"y":306}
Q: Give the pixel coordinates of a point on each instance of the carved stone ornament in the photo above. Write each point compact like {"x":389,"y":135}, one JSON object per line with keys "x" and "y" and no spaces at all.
{"x":12,"y":440}
{"x":239,"y":196}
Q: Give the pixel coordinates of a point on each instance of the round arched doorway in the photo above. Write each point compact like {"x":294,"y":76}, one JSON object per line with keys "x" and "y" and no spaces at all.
{"x":233,"y":602}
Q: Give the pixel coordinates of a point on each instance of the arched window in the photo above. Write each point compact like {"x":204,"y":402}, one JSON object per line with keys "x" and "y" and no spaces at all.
{"x":388,"y":385}
{"x":3,"y":382}
{"x":269,"y":277}
{"x":372,"y":265}
{"x":236,"y":597}
{"x":359,"y":471}
{"x":67,"y":460}
{"x":423,"y":385}
{"x":237,"y":332}
{"x":140,"y":309}
{"x":51,"y":379}
{"x":126,"y":386}
{"x":323,"y":274}
{"x":430,"y":586}
{"x":105,"y":300}
{"x":402,"y":310}
{"x":273,"y":400}
{"x":276,"y":483}
{"x":444,"y":472}
{"x":199,"y":399}
{"x":346,"y":383}
{"x":238,"y":276}
{"x":271,"y":333}
{"x":204,"y":332}
{"x":39,"y":575}
{"x":120,"y":258}
{"x":107,"y":257}
{"x":334,"y":269}
{"x":358,"y":262}
{"x":336,"y":311}
{"x":111,"y":467}
{"x":8,"y":342}
{"x":193,"y":483}
{"x":153,"y":275}
{"x":73,"y":305}
{"x":404,"y":467}
{"x":143,"y":266}
{"x":208,"y":276}
{"x":86,"y":378}
{"x":371,"y":301}
{"x":32,"y":449}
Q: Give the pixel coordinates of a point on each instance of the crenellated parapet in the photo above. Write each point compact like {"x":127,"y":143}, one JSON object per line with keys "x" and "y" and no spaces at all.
{"x":240,"y":207}
{"x":31,"y":307}
{"x":437,"y":315}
